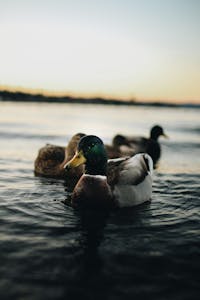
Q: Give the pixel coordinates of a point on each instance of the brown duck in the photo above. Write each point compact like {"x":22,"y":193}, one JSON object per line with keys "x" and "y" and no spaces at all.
{"x":51,"y":160}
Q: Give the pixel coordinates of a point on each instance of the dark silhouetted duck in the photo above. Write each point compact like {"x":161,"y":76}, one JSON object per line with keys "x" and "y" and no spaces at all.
{"x":147,"y":145}
{"x":120,"y":147}
{"x":51,"y":160}
{"x":121,"y":182}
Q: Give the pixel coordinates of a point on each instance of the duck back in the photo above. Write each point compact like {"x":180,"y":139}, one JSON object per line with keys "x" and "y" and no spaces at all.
{"x":134,"y":184}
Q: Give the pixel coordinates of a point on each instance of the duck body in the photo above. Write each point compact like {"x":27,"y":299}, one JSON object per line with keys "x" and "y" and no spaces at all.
{"x":134,"y":180}
{"x":120,"y":147}
{"x":149,"y":145}
{"x":51,"y":159}
{"x":121,"y":182}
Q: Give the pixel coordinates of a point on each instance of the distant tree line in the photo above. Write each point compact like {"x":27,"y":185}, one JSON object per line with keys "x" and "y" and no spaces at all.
{"x":27,"y":97}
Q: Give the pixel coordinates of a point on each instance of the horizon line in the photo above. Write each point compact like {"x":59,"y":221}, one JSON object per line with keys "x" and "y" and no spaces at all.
{"x":63,"y":93}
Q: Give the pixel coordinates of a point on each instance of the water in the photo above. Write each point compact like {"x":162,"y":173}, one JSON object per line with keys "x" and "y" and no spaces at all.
{"x":50,"y":251}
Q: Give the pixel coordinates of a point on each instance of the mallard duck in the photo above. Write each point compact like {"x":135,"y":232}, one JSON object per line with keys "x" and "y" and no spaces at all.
{"x":120,"y":147}
{"x":52,"y":158}
{"x":121,"y":182}
{"x":147,"y":145}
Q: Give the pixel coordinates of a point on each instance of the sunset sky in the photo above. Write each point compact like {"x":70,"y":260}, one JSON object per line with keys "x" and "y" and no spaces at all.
{"x":143,"y":49}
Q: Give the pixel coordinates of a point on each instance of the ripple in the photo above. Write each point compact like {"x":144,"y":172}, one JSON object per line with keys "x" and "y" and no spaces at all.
{"x":51,"y":251}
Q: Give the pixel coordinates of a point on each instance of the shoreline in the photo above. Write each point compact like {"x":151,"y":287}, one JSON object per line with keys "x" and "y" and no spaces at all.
{"x":39,"y":98}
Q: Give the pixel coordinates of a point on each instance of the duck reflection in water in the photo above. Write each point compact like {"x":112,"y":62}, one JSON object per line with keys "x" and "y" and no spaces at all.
{"x":90,"y":280}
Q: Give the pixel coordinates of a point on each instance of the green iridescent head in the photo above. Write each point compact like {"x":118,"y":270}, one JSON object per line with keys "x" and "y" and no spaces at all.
{"x":92,"y":153}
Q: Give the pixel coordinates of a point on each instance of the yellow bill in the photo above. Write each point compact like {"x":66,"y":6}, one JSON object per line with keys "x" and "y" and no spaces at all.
{"x":76,"y":161}
{"x":165,"y":135}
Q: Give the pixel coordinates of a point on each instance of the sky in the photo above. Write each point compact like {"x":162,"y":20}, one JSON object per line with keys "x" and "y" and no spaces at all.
{"x":128,"y":49}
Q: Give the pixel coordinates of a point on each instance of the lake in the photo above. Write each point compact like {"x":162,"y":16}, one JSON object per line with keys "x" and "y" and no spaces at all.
{"x":49,"y":250}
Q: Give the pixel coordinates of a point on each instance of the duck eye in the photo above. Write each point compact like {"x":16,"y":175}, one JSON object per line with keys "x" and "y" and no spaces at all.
{"x":91,"y":146}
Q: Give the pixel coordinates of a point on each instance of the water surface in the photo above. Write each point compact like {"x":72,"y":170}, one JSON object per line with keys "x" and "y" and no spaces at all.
{"x":50,"y":251}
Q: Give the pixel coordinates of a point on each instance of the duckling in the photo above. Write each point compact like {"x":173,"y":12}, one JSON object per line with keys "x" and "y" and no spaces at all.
{"x":51,"y":159}
{"x":148,"y":145}
{"x":120,"y":147}
{"x":121,"y":182}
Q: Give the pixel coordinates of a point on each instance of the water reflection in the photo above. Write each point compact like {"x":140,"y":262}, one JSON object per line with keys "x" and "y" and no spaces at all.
{"x":89,"y":277}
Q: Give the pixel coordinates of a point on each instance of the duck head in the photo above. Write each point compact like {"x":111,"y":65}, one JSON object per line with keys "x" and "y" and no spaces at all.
{"x":73,"y":143}
{"x":120,"y":140}
{"x":92,"y":153}
{"x":157,"y":131}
